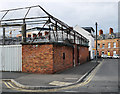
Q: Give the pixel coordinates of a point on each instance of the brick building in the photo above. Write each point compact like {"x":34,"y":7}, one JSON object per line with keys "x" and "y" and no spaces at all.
{"x":51,"y":46}
{"x":108,"y":44}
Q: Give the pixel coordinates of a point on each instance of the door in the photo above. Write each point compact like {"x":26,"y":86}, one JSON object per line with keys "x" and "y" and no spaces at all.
{"x":108,"y":53}
{"x":11,"y":58}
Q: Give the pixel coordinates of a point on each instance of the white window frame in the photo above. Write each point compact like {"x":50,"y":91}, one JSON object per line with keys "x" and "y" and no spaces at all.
{"x":103,"y":46}
{"x":98,"y":45}
{"x":114,"y":52}
{"x":108,"y":44}
{"x":102,"y":52}
{"x":114,"y":44}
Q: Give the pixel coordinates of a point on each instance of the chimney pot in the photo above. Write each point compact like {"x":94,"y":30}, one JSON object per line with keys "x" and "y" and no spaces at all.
{"x":100,"y":32}
{"x":110,"y":30}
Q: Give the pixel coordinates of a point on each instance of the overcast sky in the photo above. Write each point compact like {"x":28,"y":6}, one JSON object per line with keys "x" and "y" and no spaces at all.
{"x":75,"y":12}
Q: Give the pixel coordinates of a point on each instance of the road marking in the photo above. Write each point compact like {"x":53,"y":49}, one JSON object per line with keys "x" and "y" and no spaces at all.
{"x":72,"y":91}
{"x":71,"y":78}
{"x":6,"y":84}
{"x":11,"y":85}
{"x":58,"y":83}
{"x":54,"y":90}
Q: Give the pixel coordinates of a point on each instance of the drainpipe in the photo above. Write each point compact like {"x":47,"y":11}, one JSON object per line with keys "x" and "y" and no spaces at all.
{"x":73,"y":56}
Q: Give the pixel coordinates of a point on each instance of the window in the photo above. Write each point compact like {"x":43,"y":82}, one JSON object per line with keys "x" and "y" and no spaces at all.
{"x":63,"y":55}
{"x":102,"y":52}
{"x":109,"y":45}
{"x":114,"y":45}
{"x":98,"y":45}
{"x":97,"y":53}
{"x":114,"y":52}
{"x":103,"y":45}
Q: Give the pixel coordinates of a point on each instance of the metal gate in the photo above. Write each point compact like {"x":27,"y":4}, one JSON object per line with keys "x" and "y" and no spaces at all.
{"x":10,"y":58}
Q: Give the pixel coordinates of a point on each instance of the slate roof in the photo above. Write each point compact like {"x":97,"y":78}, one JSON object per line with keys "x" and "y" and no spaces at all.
{"x":88,"y":29}
{"x":108,"y":36}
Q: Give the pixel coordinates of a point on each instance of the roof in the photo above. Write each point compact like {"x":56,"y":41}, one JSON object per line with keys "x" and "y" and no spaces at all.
{"x":108,"y":36}
{"x":88,"y":29}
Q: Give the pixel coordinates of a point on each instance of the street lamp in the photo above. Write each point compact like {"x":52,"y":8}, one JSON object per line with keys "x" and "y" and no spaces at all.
{"x":96,"y":41}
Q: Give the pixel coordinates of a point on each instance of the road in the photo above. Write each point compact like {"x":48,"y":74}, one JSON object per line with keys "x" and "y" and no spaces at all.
{"x":104,"y":78}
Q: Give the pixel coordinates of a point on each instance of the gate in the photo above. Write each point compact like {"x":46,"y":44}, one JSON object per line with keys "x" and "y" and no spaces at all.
{"x":10,"y":58}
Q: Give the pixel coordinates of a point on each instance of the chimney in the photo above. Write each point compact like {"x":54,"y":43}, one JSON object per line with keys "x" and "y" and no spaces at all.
{"x":110,"y":30}
{"x":100,"y":32}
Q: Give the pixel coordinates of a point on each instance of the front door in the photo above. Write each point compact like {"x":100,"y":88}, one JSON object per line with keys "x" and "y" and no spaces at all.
{"x":108,"y":53}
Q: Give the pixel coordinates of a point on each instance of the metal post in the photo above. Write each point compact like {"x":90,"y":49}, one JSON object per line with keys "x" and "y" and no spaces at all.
{"x":96,"y":41}
{"x":56,"y":30}
{"x":24,"y":32}
{"x":74,"y":37}
{"x":49,"y":33}
{"x":62,"y":33}
{"x":3,"y":36}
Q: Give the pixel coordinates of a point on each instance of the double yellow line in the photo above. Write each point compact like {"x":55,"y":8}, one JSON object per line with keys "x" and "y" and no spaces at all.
{"x":10,"y":86}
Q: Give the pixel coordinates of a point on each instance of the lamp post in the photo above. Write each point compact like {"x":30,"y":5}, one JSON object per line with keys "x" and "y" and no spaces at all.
{"x":96,"y":41}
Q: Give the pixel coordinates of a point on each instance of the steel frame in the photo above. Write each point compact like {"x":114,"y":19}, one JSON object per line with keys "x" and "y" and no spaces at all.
{"x":48,"y":20}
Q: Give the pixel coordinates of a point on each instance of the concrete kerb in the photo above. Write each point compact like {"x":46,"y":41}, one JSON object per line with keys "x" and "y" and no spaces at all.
{"x":50,"y":87}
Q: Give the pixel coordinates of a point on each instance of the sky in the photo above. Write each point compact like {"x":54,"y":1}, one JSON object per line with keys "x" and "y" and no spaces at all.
{"x":75,"y":12}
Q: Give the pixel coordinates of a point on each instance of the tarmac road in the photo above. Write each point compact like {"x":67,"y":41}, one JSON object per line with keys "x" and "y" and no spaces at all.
{"x":104,"y":80}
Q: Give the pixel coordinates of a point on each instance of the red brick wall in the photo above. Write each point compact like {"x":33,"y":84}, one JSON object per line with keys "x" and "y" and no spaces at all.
{"x":59,"y":62}
{"x":106,"y":49}
{"x":48,"y":58}
{"x":83,"y":54}
{"x":37,"y":58}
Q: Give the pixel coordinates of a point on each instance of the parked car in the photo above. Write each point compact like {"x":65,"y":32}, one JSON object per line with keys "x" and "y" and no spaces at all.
{"x":116,"y":56}
{"x":104,"y":56}
{"x":109,"y":56}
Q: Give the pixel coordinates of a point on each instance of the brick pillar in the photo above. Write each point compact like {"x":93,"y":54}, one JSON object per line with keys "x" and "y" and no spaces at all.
{"x":75,"y":55}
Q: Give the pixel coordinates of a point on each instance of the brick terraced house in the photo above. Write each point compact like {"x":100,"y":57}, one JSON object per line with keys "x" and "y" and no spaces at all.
{"x":108,"y":44}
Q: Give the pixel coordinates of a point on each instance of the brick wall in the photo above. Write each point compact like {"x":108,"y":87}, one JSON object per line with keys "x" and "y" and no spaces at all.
{"x":37,"y":58}
{"x":83,"y":54}
{"x":106,"y":49}
{"x":51,"y":58}
{"x":62,"y":62}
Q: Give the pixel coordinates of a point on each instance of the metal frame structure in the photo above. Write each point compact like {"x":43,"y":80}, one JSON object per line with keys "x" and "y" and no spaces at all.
{"x":59,"y":29}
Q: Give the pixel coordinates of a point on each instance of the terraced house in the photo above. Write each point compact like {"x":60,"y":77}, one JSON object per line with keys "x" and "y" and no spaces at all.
{"x":108,"y":44}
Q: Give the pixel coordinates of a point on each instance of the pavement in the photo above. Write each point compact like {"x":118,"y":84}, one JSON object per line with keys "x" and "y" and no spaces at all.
{"x":66,"y":77}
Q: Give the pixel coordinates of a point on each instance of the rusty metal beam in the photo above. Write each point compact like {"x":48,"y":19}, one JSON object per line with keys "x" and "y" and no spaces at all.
{"x":5,"y":25}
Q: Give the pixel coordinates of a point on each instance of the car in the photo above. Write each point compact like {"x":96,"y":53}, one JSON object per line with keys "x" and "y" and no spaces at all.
{"x":109,"y":56}
{"x":116,"y":56}
{"x":104,"y":56}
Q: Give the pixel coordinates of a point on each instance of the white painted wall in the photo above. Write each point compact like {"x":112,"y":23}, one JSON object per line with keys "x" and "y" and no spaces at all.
{"x":10,"y":58}
{"x":87,"y":35}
